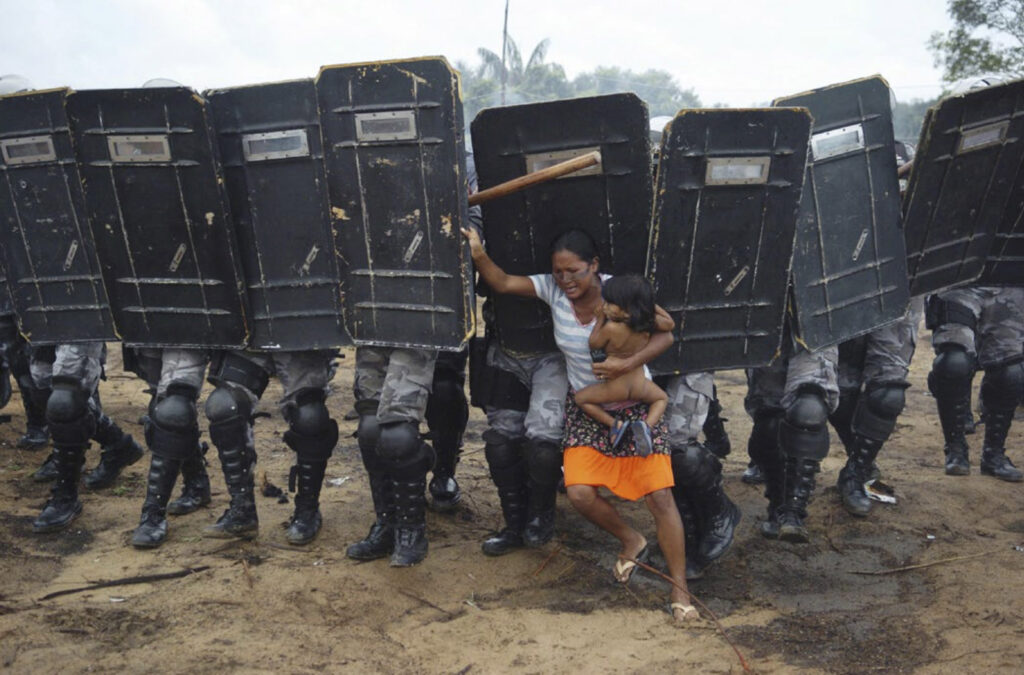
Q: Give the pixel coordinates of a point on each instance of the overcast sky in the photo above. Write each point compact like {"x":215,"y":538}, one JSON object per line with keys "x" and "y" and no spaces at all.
{"x":739,"y":52}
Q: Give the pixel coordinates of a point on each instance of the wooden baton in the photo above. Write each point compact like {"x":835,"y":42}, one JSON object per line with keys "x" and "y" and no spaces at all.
{"x":555,"y":171}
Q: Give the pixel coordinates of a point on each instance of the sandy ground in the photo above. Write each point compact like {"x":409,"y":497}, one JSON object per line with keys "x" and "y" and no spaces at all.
{"x":838,"y":604}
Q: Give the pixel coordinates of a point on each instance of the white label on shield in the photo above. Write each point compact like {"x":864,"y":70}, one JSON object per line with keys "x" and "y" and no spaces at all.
{"x":70,"y":258}
{"x":837,"y":142}
{"x":736,"y":280}
{"x":860,"y":243}
{"x":411,"y":251}
{"x":178,"y":255}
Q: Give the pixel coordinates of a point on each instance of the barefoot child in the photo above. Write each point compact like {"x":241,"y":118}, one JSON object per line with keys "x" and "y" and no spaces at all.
{"x":624,"y":326}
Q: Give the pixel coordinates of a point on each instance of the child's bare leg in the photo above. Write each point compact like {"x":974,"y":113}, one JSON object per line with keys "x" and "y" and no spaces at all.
{"x":590,"y":399}
{"x":654,"y":396}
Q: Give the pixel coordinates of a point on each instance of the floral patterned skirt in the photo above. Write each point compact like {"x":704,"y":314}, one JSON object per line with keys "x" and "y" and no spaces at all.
{"x":590,"y":460}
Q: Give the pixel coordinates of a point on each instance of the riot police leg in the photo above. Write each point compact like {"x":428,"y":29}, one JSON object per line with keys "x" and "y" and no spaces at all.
{"x":699,"y":473}
{"x":544,"y":467}
{"x":229,"y":410}
{"x":172,"y":435}
{"x":34,"y":400}
{"x":841,"y":418}
{"x":312,"y":434}
{"x":446,"y":416}
{"x":765,"y":453}
{"x":508,"y":471}
{"x":1002,"y":389}
{"x":715,"y":437}
{"x":803,"y":437}
{"x":691,"y":528}
{"x":950,"y":384}
{"x":117,"y":449}
{"x":195,"y":489}
{"x":72,"y":425}
{"x":871,"y":425}
{"x":407,"y":459}
{"x":380,"y":541}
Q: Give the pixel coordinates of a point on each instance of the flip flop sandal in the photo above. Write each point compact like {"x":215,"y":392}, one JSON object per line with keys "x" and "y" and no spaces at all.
{"x":642,"y":438}
{"x":617,"y":433}
{"x":624,"y":569}
{"x":690,"y":613}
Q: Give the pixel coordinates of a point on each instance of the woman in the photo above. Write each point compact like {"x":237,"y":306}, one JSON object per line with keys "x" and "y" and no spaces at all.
{"x":573,"y":290}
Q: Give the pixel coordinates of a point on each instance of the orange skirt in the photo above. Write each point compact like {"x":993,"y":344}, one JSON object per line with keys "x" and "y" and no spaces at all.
{"x":628,"y":477}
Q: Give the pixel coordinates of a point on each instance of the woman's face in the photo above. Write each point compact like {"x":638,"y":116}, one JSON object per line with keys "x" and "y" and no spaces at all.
{"x":573,"y":275}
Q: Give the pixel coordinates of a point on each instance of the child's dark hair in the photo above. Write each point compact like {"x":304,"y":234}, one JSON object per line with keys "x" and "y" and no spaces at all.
{"x":575,"y":241}
{"x":634,"y":294}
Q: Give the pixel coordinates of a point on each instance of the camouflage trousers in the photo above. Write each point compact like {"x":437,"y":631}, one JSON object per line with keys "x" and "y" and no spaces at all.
{"x":882,"y":355}
{"x":545,"y":377}
{"x":689,"y":397}
{"x":295,"y":371}
{"x":161,"y":367}
{"x":998,"y":333}
{"x":399,"y":380}
{"x":82,"y":362}
{"x":775,"y":386}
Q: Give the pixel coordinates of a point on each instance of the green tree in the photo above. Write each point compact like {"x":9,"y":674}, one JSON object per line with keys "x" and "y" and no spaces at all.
{"x":987,"y":37}
{"x":656,"y":87}
{"x":525,"y":81}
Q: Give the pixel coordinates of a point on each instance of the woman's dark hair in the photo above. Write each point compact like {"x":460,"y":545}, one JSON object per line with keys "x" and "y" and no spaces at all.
{"x":634,"y":294}
{"x":577,"y":242}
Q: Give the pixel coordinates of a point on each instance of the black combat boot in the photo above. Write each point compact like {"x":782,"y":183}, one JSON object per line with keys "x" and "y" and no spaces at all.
{"x":700,"y":474}
{"x":715,"y":437}
{"x":508,"y":471}
{"x":799,"y":484}
{"x":861,"y":455}
{"x":763,"y":448}
{"x":118,"y":450}
{"x":994,"y":461}
{"x":47,"y":471}
{"x":240,"y":519}
{"x":37,"y":434}
{"x":445,"y":494}
{"x":307,"y":477}
{"x":195,"y":489}
{"x":380,"y":541}
{"x":951,"y":416}
{"x":752,"y":475}
{"x":63,"y":505}
{"x":950,"y":383}
{"x":410,"y":528}
{"x":544,"y":464}
{"x":152,"y":529}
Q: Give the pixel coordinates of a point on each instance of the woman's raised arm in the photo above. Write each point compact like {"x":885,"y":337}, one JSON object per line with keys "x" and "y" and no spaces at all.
{"x":495,"y":277}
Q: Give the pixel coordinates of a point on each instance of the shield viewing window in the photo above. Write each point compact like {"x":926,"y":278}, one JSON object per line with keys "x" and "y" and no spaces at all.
{"x":837,"y":142}
{"x":397,"y":125}
{"x":542,"y":160}
{"x":28,"y":150}
{"x":982,"y":137}
{"x":737,"y":170}
{"x":275,"y":145}
{"x":139,"y":148}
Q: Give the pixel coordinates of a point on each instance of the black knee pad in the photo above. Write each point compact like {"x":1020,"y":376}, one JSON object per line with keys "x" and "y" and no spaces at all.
{"x":695,"y":466}
{"x":67,"y":412}
{"x":803,"y":432}
{"x":544,"y":462}
{"x":763,"y":444}
{"x":1002,"y":387}
{"x":230,"y":414}
{"x":877,"y":410}
{"x":501,"y":451}
{"x":173,"y":429}
{"x":952,"y":371}
{"x":447,"y":409}
{"x":312,"y":433}
{"x":398,"y":441}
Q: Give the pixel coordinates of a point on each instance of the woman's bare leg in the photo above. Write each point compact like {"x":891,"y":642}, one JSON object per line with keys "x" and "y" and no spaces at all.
{"x":600,"y":512}
{"x":672,"y":543}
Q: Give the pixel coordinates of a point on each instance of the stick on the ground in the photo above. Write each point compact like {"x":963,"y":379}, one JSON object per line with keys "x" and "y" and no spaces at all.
{"x":556,"y":171}
{"x":907,"y":568}
{"x":718,"y":624}
{"x":428,"y":603}
{"x":547,"y":560}
{"x":127,"y":581}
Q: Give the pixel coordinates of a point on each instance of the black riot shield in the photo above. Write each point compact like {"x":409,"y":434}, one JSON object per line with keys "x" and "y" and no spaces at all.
{"x":396,"y":171}
{"x":961,"y":207}
{"x":155,"y":197}
{"x":271,"y":152}
{"x":55,"y":282}
{"x":849,"y":260}
{"x":611,"y":201}
{"x":725,"y":209}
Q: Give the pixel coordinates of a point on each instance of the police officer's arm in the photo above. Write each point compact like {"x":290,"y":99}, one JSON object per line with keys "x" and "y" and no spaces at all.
{"x":492,"y":274}
{"x":614,"y":366}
